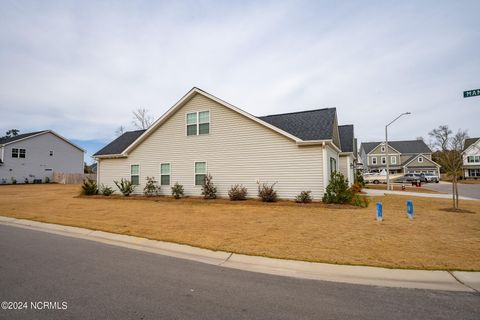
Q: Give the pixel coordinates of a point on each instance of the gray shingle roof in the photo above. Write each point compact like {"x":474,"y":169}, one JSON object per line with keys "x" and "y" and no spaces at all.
{"x":406,"y":146}
{"x":347,"y":137}
{"x":4,"y":140}
{"x":120,"y":144}
{"x":306,"y":125}
{"x":469,"y":142}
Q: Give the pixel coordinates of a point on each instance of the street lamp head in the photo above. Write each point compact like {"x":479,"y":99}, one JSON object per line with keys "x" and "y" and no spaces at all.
{"x":408,"y":113}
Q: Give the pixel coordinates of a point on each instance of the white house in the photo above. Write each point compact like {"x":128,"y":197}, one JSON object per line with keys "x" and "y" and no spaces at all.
{"x":202,"y":134}
{"x":36,"y":155}
{"x":471,"y":158}
{"x":348,"y":156}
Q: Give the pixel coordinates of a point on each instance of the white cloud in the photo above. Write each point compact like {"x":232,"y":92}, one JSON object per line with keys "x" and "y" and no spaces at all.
{"x":81,"y":67}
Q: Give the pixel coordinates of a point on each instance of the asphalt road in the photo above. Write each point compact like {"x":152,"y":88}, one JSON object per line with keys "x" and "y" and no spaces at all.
{"x":99,"y":281}
{"x":465,"y":190}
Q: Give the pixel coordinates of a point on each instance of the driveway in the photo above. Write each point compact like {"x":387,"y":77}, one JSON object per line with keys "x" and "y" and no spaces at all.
{"x":97,"y":280}
{"x":464,"y":190}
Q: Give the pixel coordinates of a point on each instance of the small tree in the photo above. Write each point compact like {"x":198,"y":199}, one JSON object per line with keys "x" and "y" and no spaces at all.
{"x":11,"y":133}
{"x":151,"y":187}
{"x":337,"y":190}
{"x":209,"y":191}
{"x":450,"y":147}
{"x":141,"y":118}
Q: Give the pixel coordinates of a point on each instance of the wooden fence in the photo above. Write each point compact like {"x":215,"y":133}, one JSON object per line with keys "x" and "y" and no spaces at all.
{"x":72,"y":178}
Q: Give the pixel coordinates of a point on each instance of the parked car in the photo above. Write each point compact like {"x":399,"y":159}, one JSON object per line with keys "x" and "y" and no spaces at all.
{"x":431,"y":177}
{"x":412,"y":177}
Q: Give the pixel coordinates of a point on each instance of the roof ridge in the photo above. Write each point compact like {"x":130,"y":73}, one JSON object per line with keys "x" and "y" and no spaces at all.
{"x":295,"y":112}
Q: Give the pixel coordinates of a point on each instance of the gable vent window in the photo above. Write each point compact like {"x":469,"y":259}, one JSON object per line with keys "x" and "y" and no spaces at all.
{"x":383,"y":149}
{"x":420,"y":159}
{"x":198,"y":123}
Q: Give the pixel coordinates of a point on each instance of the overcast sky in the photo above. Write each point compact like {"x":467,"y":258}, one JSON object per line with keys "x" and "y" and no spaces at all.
{"x":81,"y":67}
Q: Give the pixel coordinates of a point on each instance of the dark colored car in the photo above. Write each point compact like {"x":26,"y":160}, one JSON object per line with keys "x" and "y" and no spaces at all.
{"x":412,"y":177}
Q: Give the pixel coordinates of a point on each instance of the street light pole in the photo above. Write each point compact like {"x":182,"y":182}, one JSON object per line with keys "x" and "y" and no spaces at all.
{"x":386,"y":148}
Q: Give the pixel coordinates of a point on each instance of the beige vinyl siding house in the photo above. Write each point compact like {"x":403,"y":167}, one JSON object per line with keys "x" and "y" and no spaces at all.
{"x":471,"y":158}
{"x":238,"y":148}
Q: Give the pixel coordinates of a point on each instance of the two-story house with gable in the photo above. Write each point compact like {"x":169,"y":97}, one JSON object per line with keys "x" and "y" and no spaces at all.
{"x":202,"y":134}
{"x":35,"y":156}
{"x":471,"y":158}
{"x":412,"y":156}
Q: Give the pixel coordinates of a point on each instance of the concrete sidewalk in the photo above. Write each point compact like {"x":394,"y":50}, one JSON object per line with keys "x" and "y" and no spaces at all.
{"x":375,"y":192}
{"x":420,"y":279}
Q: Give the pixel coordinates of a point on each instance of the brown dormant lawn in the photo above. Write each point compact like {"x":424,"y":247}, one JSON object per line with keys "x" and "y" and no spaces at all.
{"x":435,"y":239}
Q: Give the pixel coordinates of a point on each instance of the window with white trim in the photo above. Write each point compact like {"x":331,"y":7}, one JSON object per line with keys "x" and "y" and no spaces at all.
{"x":200,"y":173}
{"x":135,"y":174}
{"x":165,"y":174}
{"x":14,"y":153}
{"x":473,"y":159}
{"x":333,"y":165}
{"x":420,"y":159}
{"x":374,"y":160}
{"x":22,"y":153}
{"x":393,"y":160}
{"x":383,"y":160}
{"x":198,"y":123}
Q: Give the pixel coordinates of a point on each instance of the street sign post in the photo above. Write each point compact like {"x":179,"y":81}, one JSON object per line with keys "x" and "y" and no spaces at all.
{"x":471,"y":93}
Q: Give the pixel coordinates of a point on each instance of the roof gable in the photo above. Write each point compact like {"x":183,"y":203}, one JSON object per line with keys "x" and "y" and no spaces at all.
{"x":117,"y":146}
{"x":347,"y":138}
{"x":25,"y":136}
{"x":410,"y":160}
{"x":468,"y":142}
{"x":306,"y":125}
{"x":313,"y":126}
{"x":404,"y":146}
{"x":22,"y":136}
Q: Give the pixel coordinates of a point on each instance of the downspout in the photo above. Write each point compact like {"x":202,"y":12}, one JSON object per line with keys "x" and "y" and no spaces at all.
{"x":325,"y":167}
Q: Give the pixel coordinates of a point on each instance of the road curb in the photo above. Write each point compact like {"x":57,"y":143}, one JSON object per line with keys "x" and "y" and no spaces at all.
{"x":418,"y":279}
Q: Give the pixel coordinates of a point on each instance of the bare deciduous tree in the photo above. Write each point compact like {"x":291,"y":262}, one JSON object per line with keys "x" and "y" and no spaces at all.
{"x":450,"y":147}
{"x":120,"y":130}
{"x":141,"y":118}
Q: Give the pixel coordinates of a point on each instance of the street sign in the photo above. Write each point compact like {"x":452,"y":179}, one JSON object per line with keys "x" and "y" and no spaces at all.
{"x":471,"y":93}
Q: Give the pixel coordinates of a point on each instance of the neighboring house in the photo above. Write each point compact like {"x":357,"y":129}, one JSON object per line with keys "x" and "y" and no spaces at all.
{"x":202,"y":134}
{"x":36,"y":155}
{"x":471,"y":158}
{"x":348,"y":156}
{"x":412,"y":156}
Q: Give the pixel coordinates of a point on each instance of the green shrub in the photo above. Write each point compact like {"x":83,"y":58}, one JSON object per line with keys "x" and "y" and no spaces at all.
{"x":47,"y":180}
{"x":358,"y":178}
{"x":106,"y":190}
{"x":209,"y":191}
{"x":267,"y":192}
{"x":337,"y":190}
{"x":89,"y":187}
{"x":125,"y":186}
{"x":14,"y":181}
{"x":304,"y":197}
{"x":177,"y":190}
{"x":360,"y":201}
{"x":151,"y":188}
{"x":237,"y":192}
